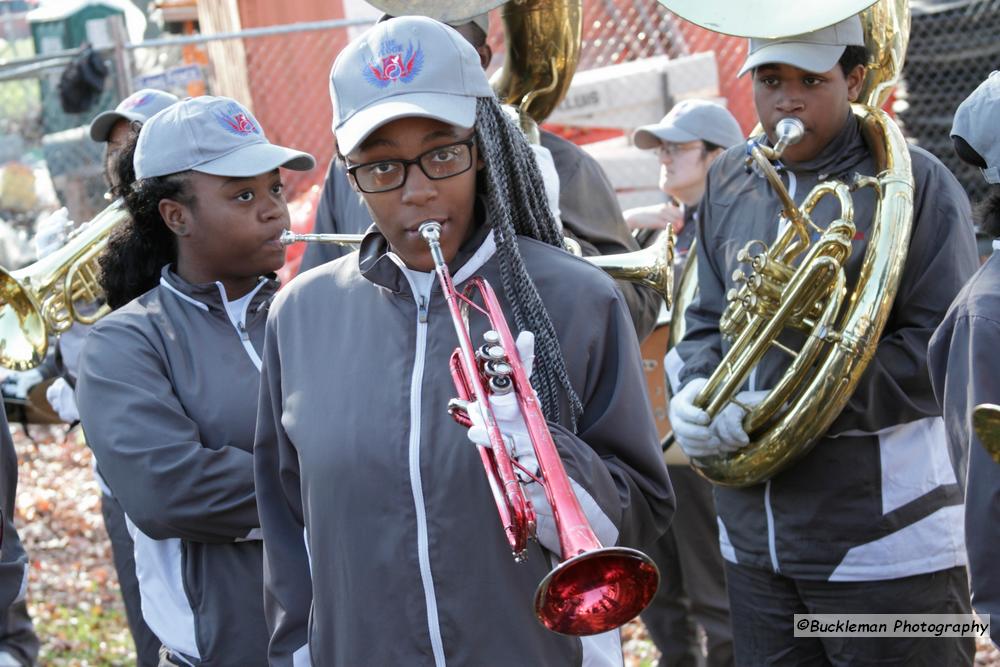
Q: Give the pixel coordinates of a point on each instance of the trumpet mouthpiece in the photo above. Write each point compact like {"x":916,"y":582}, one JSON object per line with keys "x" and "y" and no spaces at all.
{"x":430,"y":230}
{"x":286,"y":238}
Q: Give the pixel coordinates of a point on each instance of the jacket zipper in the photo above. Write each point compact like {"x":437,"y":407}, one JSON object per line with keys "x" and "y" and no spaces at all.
{"x":416,"y":483}
{"x":240,"y":326}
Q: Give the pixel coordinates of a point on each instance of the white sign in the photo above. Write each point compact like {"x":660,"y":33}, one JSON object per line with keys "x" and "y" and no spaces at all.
{"x":636,"y":93}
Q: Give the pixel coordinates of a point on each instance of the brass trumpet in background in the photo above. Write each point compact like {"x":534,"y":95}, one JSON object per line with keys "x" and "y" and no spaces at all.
{"x":47,"y":297}
{"x":652,"y":266}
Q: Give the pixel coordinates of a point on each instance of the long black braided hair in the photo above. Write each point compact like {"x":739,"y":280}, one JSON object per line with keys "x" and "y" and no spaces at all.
{"x":139,"y":248}
{"x":512,"y":176}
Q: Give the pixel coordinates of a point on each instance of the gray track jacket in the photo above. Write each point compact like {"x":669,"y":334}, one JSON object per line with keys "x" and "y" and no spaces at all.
{"x":963,"y":364}
{"x":587,"y":200}
{"x":877,"y":497}
{"x":167,"y":393}
{"x":356,"y":452}
{"x":13,"y":560}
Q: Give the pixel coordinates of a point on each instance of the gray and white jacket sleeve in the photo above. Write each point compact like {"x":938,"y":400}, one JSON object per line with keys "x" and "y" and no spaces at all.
{"x":614,"y":455}
{"x":287,"y":580}
{"x":150,"y":451}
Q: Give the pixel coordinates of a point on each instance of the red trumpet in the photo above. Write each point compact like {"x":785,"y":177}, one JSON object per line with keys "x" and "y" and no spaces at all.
{"x":595,"y":588}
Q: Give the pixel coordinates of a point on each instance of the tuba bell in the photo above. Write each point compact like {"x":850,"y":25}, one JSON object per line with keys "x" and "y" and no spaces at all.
{"x":47,"y":297}
{"x":801,"y":285}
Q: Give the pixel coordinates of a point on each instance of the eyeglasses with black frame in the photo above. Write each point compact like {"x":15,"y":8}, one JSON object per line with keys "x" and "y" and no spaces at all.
{"x":672,"y":150}
{"x":437,"y":164}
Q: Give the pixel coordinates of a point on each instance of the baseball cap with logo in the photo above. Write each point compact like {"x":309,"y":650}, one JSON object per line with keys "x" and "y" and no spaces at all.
{"x":975,"y":122}
{"x":139,"y":106}
{"x":211,"y":135}
{"x":409,"y":66}
{"x":817,"y":51}
{"x":692,"y":120}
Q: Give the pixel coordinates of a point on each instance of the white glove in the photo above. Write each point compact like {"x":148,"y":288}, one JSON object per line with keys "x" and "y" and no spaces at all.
{"x":62,"y":398}
{"x":525,"y":343}
{"x":18,"y":383}
{"x":508,"y":416}
{"x":728,"y":424}
{"x":723,"y":435}
{"x":692,"y":425}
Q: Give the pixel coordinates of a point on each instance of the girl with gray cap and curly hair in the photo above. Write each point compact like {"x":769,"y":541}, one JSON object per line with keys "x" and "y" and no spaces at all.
{"x":168,"y":382}
{"x":372,"y":500}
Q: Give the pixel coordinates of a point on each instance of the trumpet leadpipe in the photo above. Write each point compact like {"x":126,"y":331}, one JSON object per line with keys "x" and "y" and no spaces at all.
{"x":288,"y":237}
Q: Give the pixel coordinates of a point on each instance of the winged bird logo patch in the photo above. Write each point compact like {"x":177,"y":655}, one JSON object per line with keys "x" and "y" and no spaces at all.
{"x":236,"y":121}
{"x":394,"y":64}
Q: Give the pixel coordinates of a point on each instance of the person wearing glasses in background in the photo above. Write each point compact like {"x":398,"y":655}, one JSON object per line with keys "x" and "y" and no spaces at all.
{"x":585,"y":201}
{"x":373,"y":502}
{"x":693,"y":588}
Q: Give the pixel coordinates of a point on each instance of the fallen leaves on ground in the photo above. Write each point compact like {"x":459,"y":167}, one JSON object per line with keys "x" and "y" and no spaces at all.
{"x":72,"y":589}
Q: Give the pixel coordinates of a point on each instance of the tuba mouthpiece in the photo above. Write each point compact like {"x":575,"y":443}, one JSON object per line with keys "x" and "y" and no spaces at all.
{"x":790,"y":131}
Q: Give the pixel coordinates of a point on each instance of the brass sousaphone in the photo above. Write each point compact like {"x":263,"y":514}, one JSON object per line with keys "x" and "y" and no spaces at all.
{"x":794,"y":283}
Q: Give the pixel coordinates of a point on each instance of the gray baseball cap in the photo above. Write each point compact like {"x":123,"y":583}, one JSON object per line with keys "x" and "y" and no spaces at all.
{"x":139,"y":106}
{"x":975,"y":121}
{"x":211,"y":135}
{"x":692,"y":120}
{"x":409,"y":66}
{"x":817,"y":51}
{"x":454,"y":20}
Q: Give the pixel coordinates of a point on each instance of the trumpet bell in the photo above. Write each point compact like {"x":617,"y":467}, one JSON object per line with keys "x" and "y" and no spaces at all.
{"x":45,"y":298}
{"x":23,"y":334}
{"x":652,"y":266}
{"x":596,"y":591}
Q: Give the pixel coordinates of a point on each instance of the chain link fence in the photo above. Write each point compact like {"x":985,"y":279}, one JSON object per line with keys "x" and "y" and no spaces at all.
{"x":954,"y":45}
{"x":281,"y":73}
{"x":48,"y":159}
